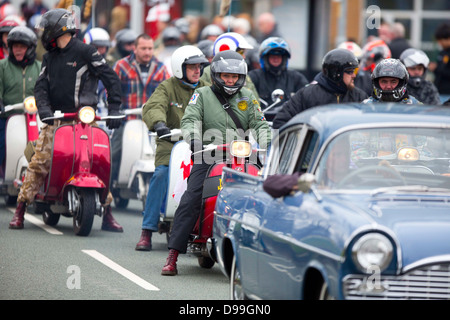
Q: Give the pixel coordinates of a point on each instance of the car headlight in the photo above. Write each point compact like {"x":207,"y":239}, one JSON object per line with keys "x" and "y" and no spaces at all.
{"x":372,"y":250}
{"x":86,"y":115}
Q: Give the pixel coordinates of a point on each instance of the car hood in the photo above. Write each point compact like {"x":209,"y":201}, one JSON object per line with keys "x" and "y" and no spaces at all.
{"x":420,"y":224}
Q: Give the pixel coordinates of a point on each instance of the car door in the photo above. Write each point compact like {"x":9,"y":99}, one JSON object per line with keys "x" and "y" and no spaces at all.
{"x":278,"y":276}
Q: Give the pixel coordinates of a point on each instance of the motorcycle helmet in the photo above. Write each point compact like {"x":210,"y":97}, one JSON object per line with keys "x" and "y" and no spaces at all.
{"x":374,"y":52}
{"x":211,"y":30}
{"x":53,"y":24}
{"x":206,"y":46}
{"x":6,"y":26}
{"x":353,"y":47}
{"x":414,"y":57}
{"x":335,"y":62}
{"x":230,"y":41}
{"x":275,"y":46}
{"x":186,"y":55}
{"x":98,"y":37}
{"x":390,"y":68}
{"x":228,"y":62}
{"x":171,"y":36}
{"x":125,"y":36}
{"x":27,"y":37}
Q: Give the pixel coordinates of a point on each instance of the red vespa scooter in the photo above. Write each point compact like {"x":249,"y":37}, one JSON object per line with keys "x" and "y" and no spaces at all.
{"x":78,"y":181}
{"x":240,"y":156}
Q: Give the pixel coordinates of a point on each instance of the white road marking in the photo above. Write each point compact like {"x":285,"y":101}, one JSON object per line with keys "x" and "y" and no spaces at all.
{"x":121,"y":270}
{"x":39,"y":223}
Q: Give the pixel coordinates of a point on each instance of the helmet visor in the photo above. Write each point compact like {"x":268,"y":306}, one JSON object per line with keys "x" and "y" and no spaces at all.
{"x":229,"y":66}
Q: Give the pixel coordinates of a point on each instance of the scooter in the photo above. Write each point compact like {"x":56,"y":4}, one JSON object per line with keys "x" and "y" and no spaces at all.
{"x":138,"y":161}
{"x":20,"y":130}
{"x":238,"y":155}
{"x":78,"y":181}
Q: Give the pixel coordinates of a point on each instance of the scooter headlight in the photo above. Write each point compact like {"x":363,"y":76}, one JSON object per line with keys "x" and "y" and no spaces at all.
{"x":30,"y":105}
{"x":241,"y":149}
{"x":408,"y":154}
{"x":86,"y":115}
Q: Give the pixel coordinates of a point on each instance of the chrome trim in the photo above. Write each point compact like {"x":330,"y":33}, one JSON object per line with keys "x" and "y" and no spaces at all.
{"x":425,"y":282}
{"x":293,"y":241}
{"x":445,"y":258}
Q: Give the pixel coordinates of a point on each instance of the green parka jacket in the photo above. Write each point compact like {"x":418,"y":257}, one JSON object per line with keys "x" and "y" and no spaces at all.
{"x":206,"y":120}
{"x":167,"y":104}
{"x":16,"y":83}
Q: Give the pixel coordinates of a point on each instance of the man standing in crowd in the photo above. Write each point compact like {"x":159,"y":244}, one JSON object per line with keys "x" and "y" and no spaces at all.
{"x":139,"y":73}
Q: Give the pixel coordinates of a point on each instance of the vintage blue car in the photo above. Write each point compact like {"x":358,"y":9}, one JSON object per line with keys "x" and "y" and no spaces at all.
{"x":368,"y":217}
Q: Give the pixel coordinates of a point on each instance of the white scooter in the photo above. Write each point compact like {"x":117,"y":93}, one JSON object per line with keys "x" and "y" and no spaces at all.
{"x":20,"y":129}
{"x":138,"y":161}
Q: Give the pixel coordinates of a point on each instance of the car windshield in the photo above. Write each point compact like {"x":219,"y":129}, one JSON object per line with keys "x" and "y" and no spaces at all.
{"x":387,"y":158}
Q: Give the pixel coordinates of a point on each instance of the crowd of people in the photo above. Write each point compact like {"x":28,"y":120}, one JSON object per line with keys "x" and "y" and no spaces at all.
{"x":178,"y":79}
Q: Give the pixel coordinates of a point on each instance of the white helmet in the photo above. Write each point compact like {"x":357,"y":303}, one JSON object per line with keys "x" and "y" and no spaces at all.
{"x":353,"y":47}
{"x":230,"y":41}
{"x":186,"y":55}
{"x":413,"y":57}
{"x":98,"y":37}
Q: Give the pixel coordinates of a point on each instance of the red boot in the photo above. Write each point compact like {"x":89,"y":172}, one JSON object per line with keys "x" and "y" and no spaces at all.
{"x":17,"y":220}
{"x":109,"y":223}
{"x":145,"y":242}
{"x":170,"y":269}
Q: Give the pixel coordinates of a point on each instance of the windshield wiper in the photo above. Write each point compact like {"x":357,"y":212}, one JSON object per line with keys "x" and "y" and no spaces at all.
{"x":417,"y":188}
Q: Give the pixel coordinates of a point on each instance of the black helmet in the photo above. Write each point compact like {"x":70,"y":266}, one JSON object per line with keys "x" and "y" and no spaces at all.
{"x":228,"y":61}
{"x":53,"y":24}
{"x":336,"y":62}
{"x":25,"y":36}
{"x":123,"y":37}
{"x":392,"y":68}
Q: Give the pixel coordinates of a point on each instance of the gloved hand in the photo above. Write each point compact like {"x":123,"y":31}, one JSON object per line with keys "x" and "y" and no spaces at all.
{"x":114,"y":123}
{"x":46,"y":114}
{"x":161,"y":129}
{"x":196,"y":145}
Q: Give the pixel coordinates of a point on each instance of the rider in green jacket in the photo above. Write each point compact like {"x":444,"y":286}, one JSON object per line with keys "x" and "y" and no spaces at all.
{"x":163,"y":111}
{"x":207,"y":121}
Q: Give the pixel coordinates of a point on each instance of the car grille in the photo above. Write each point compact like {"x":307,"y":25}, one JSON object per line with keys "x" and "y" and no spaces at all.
{"x":425,"y":283}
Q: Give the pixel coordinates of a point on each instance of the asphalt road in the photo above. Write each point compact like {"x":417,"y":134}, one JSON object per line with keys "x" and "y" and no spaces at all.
{"x":55,"y":264}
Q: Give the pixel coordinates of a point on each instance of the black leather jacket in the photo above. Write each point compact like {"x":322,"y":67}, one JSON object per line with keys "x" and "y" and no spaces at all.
{"x":320,"y":92}
{"x":69,"y":79}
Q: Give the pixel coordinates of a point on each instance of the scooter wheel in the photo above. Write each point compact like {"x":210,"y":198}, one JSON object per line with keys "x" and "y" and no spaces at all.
{"x":205,"y":262}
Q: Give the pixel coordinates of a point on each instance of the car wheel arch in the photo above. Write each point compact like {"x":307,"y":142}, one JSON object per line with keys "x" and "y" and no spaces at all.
{"x":314,"y":278}
{"x":228,"y":252}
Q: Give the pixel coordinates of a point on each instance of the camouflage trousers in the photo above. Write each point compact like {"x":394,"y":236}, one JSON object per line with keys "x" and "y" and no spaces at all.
{"x":40,"y":163}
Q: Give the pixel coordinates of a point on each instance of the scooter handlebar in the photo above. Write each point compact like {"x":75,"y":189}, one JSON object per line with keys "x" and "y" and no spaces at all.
{"x":174,"y":133}
{"x":16,"y":106}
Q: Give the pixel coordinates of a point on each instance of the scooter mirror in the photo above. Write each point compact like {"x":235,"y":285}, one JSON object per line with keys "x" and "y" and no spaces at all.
{"x":277,"y":93}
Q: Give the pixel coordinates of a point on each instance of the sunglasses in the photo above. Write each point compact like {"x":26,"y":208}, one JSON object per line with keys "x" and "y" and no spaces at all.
{"x":352,"y":71}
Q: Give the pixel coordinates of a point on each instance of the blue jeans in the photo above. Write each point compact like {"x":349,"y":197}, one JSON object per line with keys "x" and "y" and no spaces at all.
{"x":155,"y":198}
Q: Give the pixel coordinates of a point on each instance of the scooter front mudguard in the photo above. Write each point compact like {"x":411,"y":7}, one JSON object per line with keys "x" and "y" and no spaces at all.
{"x":85,"y":180}
{"x":79,"y":150}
